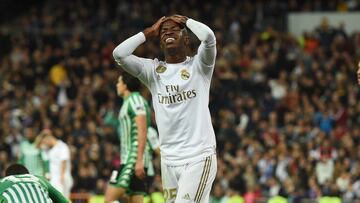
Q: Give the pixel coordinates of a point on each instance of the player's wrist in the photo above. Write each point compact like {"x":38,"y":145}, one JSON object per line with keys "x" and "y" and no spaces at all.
{"x":186,"y":19}
{"x":146,"y":33}
{"x":149,"y":33}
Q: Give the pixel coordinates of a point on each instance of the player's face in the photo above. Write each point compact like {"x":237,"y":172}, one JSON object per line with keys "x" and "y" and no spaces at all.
{"x":171,"y":35}
{"x":120,"y":86}
{"x":45,"y":143}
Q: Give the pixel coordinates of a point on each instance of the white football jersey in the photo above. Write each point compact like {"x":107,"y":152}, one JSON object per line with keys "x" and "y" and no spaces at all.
{"x":180,"y":95}
{"x":57,"y":154}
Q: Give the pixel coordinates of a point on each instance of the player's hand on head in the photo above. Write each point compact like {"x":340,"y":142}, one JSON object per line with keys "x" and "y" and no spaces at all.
{"x":154,"y":30}
{"x":39,"y":138}
{"x":139,"y":169}
{"x":179,"y":19}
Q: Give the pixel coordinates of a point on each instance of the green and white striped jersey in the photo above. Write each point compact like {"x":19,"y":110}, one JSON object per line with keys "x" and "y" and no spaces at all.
{"x":133,"y":105}
{"x":33,"y":158}
{"x":28,"y":188}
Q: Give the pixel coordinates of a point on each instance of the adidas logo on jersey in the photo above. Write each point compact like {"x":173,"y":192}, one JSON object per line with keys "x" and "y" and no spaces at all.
{"x":187,"y":196}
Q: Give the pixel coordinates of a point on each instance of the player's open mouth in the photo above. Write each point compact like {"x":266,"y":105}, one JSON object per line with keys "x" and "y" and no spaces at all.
{"x":169,"y":40}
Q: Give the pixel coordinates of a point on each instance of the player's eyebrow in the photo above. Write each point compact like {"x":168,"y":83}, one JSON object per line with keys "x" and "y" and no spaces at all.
{"x":170,"y":28}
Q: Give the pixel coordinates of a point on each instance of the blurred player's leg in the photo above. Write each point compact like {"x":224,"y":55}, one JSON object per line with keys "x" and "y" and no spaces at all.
{"x":196,"y":181}
{"x":113,"y":193}
{"x":68,"y":183}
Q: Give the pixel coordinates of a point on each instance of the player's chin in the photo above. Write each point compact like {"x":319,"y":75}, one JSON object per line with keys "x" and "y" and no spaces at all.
{"x":171,"y":46}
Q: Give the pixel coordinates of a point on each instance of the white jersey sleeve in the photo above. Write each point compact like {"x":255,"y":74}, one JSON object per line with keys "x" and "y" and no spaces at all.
{"x":207,"y":50}
{"x":136,"y":66}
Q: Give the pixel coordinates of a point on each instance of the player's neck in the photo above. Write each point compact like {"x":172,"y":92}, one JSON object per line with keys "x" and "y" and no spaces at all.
{"x":126,"y":94}
{"x":175,"y":57}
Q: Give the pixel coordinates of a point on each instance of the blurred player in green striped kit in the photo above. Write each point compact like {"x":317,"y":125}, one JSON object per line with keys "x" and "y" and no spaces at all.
{"x":20,"y":186}
{"x":33,"y":158}
{"x":152,"y":146}
{"x":134,"y":120}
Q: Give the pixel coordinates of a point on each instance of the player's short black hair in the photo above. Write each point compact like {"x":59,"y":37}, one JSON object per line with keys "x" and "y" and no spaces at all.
{"x":131,"y":82}
{"x":16,"y":169}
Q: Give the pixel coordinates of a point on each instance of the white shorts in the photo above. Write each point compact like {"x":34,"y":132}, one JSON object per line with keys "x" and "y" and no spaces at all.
{"x":191,"y":182}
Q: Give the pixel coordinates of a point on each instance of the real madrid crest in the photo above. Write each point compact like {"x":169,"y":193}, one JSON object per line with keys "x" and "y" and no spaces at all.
{"x":160,"y":69}
{"x":185,"y":75}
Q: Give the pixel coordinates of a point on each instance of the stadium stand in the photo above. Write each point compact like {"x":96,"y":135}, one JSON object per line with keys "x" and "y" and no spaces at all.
{"x":284,"y":108}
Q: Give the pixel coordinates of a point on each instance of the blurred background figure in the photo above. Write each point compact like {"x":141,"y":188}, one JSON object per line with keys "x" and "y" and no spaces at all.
{"x":59,"y":161}
{"x":30,"y":156}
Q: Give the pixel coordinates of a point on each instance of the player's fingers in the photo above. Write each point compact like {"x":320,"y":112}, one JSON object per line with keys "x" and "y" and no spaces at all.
{"x":157,"y":25}
{"x":178,"y":16}
{"x":160,"y":21}
{"x":179,"y":20}
{"x":142,"y":173}
{"x":174,"y":17}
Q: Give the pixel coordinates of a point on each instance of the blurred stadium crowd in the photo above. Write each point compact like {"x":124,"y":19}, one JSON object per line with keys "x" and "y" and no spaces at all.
{"x":284,"y":109}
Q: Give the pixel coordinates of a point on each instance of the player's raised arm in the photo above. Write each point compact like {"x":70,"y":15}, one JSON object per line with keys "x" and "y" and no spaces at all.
{"x":123,"y":52}
{"x":139,"y":166}
{"x":207,"y":49}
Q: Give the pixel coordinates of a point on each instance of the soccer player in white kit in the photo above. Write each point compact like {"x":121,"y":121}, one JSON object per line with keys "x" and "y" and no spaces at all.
{"x":58,"y":154}
{"x":180,"y":88}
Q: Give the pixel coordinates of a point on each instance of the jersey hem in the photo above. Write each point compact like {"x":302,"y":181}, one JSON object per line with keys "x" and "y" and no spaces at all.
{"x":186,"y":161}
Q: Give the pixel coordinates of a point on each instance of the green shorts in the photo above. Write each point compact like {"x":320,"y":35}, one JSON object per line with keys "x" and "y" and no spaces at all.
{"x":125,"y":177}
